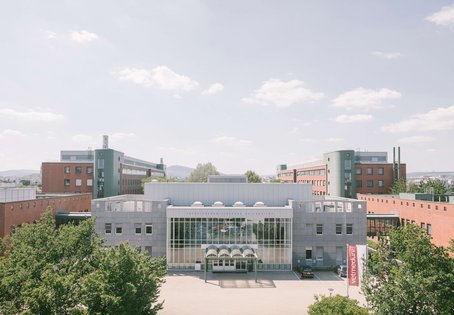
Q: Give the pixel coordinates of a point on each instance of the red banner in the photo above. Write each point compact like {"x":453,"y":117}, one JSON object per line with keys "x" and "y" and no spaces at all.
{"x":353,"y":276}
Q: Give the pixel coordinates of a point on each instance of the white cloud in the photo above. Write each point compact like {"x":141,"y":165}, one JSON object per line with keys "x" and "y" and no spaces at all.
{"x":137,"y":76}
{"x":430,"y":150}
{"x":387,"y":55}
{"x":282,"y":94}
{"x":307,"y":140}
{"x":334,"y":139}
{"x":48,"y":34}
{"x":441,"y":118}
{"x":83,"y":36}
{"x":162,"y":77}
{"x":364,"y":99}
{"x":82,"y":138}
{"x":29,"y":115}
{"x":345,"y":119}
{"x":444,"y":17}
{"x":166,"y":79}
{"x":231,"y":141}
{"x":213,"y":89}
{"x":10,"y":132}
{"x":122,"y":135}
{"x":416,"y":139}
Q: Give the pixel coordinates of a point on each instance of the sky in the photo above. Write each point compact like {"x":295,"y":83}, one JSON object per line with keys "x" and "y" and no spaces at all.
{"x":241,"y":84}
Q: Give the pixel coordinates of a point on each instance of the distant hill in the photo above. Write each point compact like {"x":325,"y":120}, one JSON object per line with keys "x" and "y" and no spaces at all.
{"x":18,"y":173}
{"x":178,"y":171}
{"x":430,"y":174}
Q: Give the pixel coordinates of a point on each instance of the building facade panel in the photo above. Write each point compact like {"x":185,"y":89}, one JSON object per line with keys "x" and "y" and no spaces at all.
{"x":437,"y":218}
{"x":13,"y":214}
{"x":67,"y":177}
{"x":235,"y":225}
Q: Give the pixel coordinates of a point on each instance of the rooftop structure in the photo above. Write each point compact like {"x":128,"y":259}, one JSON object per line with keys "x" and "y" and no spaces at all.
{"x":345,"y":173}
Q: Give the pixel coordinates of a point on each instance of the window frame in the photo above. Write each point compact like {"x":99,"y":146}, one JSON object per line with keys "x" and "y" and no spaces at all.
{"x":347,"y":227}
{"x":148,"y":225}
{"x":317,"y":226}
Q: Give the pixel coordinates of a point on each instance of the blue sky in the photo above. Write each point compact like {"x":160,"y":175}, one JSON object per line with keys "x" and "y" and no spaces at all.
{"x":242,"y":84}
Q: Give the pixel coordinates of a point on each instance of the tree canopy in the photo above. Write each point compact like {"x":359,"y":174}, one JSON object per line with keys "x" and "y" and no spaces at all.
{"x":435,"y":186}
{"x":253,"y":177}
{"x":336,"y":305}
{"x":54,"y":271}
{"x":201,"y":172}
{"x":407,"y":274}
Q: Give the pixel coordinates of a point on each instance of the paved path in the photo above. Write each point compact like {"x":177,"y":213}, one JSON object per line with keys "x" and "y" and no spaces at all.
{"x":227,"y":294}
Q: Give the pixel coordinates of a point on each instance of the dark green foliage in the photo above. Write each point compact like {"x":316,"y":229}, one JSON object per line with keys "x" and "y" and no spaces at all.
{"x":253,"y":177}
{"x":48,"y":271}
{"x":409,"y":275}
{"x":336,"y":305}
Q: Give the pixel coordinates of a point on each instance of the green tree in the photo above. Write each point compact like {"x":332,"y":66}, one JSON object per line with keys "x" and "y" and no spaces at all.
{"x":201,"y":172}
{"x":44,"y":269}
{"x":253,"y":177}
{"x":123,"y":282}
{"x":409,"y":275}
{"x":436,"y":186}
{"x":336,"y":305}
{"x":398,"y":187}
{"x":275,"y":180}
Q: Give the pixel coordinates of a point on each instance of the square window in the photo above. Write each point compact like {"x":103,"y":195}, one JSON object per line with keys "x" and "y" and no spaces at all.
{"x":423,"y":225}
{"x":319,"y":229}
{"x":148,"y":229}
{"x":381,"y":171}
{"x":67,"y":182}
{"x":359,"y":183}
{"x":118,"y":229}
{"x":67,"y":170}
{"x":108,"y":228}
{"x":78,"y":182}
{"x":370,"y":183}
{"x":349,"y":228}
{"x":89,"y":182}
{"x":381,"y":183}
{"x":78,"y":169}
{"x":89,"y":170}
{"x":338,"y":229}
{"x":370,"y":171}
{"x":138,"y":228}
{"x":358,"y":171}
{"x":308,"y":253}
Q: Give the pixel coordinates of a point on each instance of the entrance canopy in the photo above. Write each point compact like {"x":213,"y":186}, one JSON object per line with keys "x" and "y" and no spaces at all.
{"x":230,"y":252}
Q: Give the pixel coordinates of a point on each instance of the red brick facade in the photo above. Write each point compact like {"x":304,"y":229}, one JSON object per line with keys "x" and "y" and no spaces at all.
{"x":16,"y":213}
{"x":436,"y":217}
{"x":376,"y":178}
{"x":64,"y":177}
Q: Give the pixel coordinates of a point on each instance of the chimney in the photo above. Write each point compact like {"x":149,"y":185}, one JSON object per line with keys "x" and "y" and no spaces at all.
{"x":105,"y":142}
{"x":398,"y":163}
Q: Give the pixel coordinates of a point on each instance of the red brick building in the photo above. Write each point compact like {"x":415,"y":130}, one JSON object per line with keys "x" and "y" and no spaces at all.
{"x":437,"y":218}
{"x":67,"y":177}
{"x":346,"y":173}
{"x":16,"y":213}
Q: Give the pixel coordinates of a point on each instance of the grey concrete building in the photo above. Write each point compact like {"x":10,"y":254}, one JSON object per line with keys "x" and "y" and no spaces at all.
{"x":233,"y":226}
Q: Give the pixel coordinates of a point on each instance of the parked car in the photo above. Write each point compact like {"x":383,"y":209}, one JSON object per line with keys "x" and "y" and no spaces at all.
{"x":306,"y":272}
{"x":341,"y":270}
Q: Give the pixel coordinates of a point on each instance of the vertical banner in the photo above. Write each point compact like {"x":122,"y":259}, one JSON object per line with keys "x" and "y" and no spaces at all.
{"x":352,"y":276}
{"x":356,"y":260}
